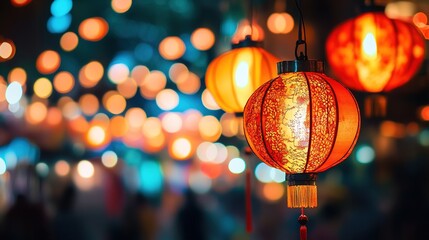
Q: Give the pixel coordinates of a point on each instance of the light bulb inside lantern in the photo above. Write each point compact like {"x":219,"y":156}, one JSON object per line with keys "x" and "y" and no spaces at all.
{"x":369,"y":46}
{"x":241,"y":75}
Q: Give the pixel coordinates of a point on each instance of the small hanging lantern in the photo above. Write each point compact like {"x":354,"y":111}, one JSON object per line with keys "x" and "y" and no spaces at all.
{"x":373,"y":53}
{"x":233,"y":76}
{"x":303,"y":123}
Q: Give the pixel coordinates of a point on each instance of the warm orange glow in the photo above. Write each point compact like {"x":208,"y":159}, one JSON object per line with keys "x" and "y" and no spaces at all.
{"x":209,"y":128}
{"x":392,"y":129}
{"x":180,"y":149}
{"x":153,"y":83}
{"x":62,"y":168}
{"x":230,"y":124}
{"x":176,"y":71}
{"x":96,"y":136}
{"x":89,"y":104}
{"x":79,"y":125}
{"x":233,"y":76}
{"x":121,"y":6}
{"x":20,"y":3}
{"x":307,"y":130}
{"x":280,"y":23}
{"x":48,"y":62}
{"x":36,"y":113}
{"x":3,"y":87}
{"x":93,"y":29}
{"x":273,"y":191}
{"x":152,"y":127}
{"x":212,"y":170}
{"x":93,"y":71}
{"x":7,"y":50}
{"x":203,"y":39}
{"x":167,"y":99}
{"x":172,"y":122}
{"x":139,"y":74}
{"x":135,"y":117}
{"x":54,"y":116}
{"x":154,"y":144}
{"x":420,"y":19}
{"x":42,"y":88}
{"x":70,"y":110}
{"x":114,"y":102}
{"x":189,"y":85}
{"x":374,"y":53}
{"x":63,"y":82}
{"x":128,"y":88}
{"x":101,"y":120}
{"x":118,"y":73}
{"x":208,"y":100}
{"x":17,"y":75}
{"x":424,"y":113}
{"x":172,"y":48}
{"x":118,"y":126}
{"x":191,"y":119}
{"x":244,"y":29}
{"x":69,"y":41}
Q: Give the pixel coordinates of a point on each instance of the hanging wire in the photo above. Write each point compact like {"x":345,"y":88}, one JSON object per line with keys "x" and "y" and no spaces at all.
{"x":302,"y":37}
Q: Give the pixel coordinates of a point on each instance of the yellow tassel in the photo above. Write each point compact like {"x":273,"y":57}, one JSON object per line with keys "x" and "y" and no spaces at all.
{"x":302,"y":196}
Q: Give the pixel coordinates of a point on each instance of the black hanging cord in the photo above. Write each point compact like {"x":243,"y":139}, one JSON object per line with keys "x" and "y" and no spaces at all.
{"x":301,"y":40}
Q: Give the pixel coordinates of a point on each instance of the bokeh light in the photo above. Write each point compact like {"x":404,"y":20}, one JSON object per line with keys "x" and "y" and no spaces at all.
{"x":273,"y":191}
{"x":69,"y":41}
{"x":176,"y":72}
{"x":36,"y":112}
{"x":420,"y":19}
{"x":172,"y":48}
{"x":171,"y":122}
{"x":91,"y":73}
{"x":109,"y":159}
{"x":280,"y":23}
{"x":118,"y":73}
{"x":128,"y":88}
{"x":54,"y":116}
{"x":114,"y":102}
{"x":167,"y":99}
{"x":135,"y":117}
{"x":402,"y":10}
{"x":20,"y":3}
{"x":152,"y":127}
{"x":237,"y":165}
{"x":48,"y":62}
{"x":89,"y":104}
{"x":189,"y":83}
{"x":207,"y":151}
{"x":139,"y":74}
{"x":245,"y":29}
{"x":151,"y":178}
{"x":42,"y":169}
{"x":62,"y":168}
{"x":63,"y":82}
{"x":263,"y":173}
{"x":7,"y":50}
{"x":180,"y":149}
{"x":42,"y":88}
{"x":208,"y":100}
{"x":153,"y":84}
{"x":209,"y":128}
{"x":96,"y":136}
{"x":93,"y":29}
{"x":85,"y":169}
{"x":17,"y":75}
{"x":13,"y":93}
{"x":202,"y":39}
{"x":118,"y":126}
{"x":2,"y":166}
{"x":365,"y":154}
{"x":121,"y":6}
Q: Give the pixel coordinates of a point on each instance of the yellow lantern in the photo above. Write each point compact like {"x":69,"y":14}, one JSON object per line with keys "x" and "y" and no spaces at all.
{"x":235,"y":75}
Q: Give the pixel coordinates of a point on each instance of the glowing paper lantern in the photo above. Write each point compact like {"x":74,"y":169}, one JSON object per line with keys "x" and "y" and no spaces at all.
{"x":303,"y":123}
{"x":233,"y":76}
{"x":373,"y":53}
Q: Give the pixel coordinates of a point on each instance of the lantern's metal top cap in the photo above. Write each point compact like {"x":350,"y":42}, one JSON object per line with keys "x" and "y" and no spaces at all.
{"x":247,"y":42}
{"x":300,"y":66}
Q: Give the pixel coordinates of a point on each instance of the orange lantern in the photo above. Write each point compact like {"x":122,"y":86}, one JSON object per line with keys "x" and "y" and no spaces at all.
{"x":233,"y":76}
{"x":303,"y":123}
{"x":373,"y":53}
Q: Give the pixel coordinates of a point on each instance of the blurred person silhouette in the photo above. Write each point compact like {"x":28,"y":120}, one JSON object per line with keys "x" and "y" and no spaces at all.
{"x":66,"y":223}
{"x":191,"y":220}
{"x":25,"y":221}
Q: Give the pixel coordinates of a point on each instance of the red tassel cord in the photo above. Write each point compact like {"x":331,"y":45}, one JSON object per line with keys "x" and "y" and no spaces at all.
{"x":302,"y":219}
{"x":248,"y":203}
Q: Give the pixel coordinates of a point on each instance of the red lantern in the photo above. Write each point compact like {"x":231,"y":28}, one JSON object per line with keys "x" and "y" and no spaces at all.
{"x":303,"y":123}
{"x":373,"y":53}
